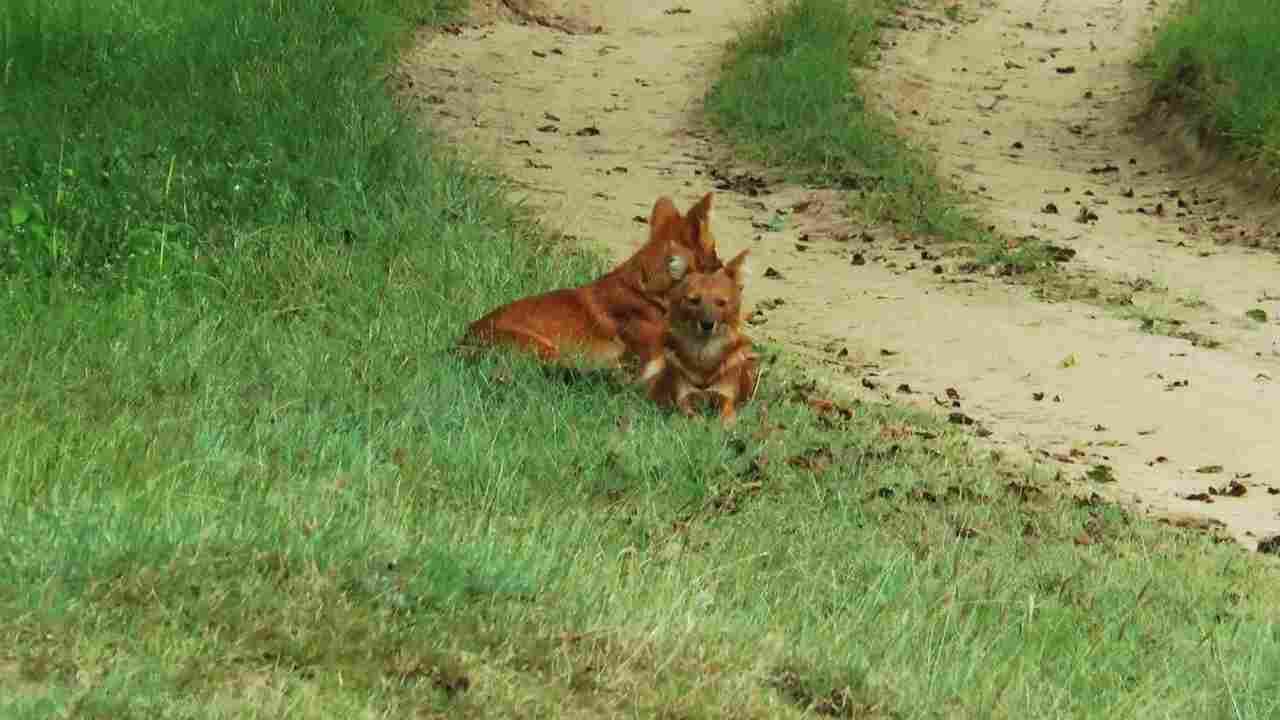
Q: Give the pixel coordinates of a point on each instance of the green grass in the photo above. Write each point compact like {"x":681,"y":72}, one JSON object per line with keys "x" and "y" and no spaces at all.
{"x":786,"y":98}
{"x":249,"y":480}
{"x":139,"y":134}
{"x":1217,"y":60}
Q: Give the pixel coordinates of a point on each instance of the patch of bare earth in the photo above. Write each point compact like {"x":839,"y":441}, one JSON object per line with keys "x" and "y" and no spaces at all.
{"x":14,"y":684}
{"x":598,"y":117}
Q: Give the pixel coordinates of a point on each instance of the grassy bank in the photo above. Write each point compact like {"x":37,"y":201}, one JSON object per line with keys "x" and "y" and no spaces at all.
{"x":1217,"y":61}
{"x":240,"y":475}
{"x":139,"y":137}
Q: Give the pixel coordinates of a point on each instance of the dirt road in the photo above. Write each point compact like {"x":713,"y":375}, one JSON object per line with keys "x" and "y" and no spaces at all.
{"x":1026,"y":103}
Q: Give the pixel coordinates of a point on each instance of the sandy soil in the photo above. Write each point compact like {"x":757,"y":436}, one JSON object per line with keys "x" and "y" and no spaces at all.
{"x":594,"y":109}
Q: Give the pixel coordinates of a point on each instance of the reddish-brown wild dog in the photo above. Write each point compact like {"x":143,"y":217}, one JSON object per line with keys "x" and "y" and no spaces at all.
{"x":622,"y":313}
{"x":706,"y":356}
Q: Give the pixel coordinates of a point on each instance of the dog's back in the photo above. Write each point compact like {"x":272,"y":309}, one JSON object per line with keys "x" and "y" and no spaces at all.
{"x":622,"y":312}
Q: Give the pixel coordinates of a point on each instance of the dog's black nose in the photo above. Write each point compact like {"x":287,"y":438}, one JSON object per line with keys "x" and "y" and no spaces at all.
{"x":707,"y":325}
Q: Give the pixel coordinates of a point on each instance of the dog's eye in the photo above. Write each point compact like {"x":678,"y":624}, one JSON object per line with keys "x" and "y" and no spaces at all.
{"x":693,"y":299}
{"x":721,"y":302}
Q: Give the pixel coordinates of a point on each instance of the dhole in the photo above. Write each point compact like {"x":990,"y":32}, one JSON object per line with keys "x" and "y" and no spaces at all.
{"x":622,"y":313}
{"x":705,"y":353}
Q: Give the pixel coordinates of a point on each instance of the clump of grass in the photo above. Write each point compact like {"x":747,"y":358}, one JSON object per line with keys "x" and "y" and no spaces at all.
{"x":1152,"y":318}
{"x":1157,"y":319}
{"x":1218,"y":60}
{"x":1192,"y":300}
{"x":1022,"y":258}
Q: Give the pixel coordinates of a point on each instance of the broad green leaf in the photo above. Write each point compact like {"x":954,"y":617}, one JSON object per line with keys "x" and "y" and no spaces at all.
{"x":20,"y":211}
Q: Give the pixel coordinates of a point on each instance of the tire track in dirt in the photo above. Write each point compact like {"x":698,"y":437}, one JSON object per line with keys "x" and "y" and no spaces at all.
{"x":1030,"y":104}
{"x":593,"y":127}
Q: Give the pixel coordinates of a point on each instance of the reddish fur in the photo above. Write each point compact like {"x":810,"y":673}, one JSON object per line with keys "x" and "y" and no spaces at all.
{"x":719,"y":366}
{"x":623,"y":312}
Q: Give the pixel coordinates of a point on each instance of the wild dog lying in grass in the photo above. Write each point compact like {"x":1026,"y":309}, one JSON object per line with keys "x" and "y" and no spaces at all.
{"x":705,"y":353}
{"x":621,"y":314}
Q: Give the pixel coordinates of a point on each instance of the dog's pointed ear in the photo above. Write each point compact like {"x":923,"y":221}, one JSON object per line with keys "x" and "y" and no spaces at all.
{"x":739,"y":269}
{"x":664,"y":213}
{"x":699,"y":219}
{"x":677,"y":266}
